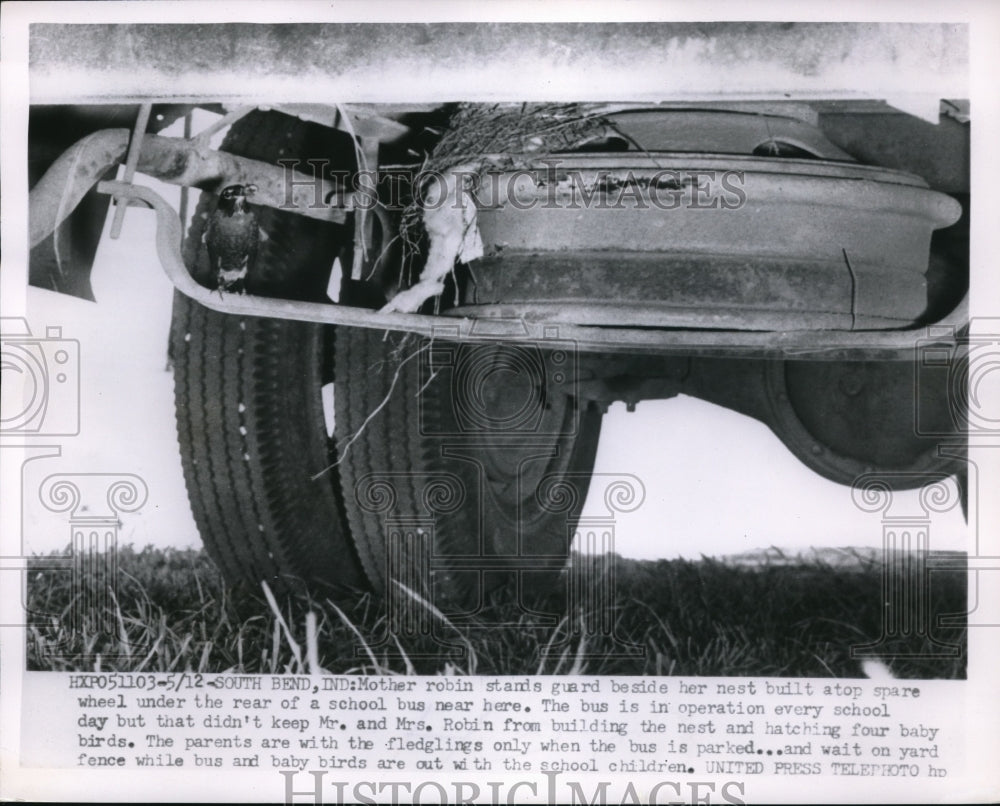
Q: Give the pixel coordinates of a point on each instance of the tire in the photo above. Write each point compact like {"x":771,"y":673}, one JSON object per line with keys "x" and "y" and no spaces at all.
{"x":483,"y":492}
{"x":248,"y":414}
{"x":276,"y":497}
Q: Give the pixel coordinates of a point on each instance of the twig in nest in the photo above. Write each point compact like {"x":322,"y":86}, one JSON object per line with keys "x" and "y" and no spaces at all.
{"x":371,"y":416}
{"x":382,"y":254}
{"x":428,"y":382}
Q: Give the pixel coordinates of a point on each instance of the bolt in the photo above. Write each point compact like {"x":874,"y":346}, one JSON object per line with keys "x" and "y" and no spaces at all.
{"x":851,"y":384}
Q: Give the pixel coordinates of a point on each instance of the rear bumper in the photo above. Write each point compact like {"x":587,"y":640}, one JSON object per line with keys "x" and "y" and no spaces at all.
{"x":834,"y":345}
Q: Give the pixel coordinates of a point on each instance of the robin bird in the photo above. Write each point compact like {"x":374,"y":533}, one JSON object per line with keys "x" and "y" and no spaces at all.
{"x":232,"y":237}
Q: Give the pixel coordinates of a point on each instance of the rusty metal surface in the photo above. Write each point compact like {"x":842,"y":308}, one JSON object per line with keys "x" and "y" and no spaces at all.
{"x":820,"y":345}
{"x":721,"y":131}
{"x":181,"y":162}
{"x":939,"y":152}
{"x":841,"y":419}
{"x":177,"y":162}
{"x":69,"y":178}
{"x":847,"y":243}
{"x":639,"y":161}
{"x":846,"y":419}
{"x":131,"y":161}
{"x":51,"y":131}
{"x":647,"y":61}
{"x":675,"y":289}
{"x":363,"y":121}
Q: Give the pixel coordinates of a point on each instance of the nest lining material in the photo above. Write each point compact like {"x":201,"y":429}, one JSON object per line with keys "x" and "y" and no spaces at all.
{"x":478,"y":138}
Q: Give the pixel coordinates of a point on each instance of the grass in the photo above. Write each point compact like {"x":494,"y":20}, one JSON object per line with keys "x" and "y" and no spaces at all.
{"x":171,"y":611}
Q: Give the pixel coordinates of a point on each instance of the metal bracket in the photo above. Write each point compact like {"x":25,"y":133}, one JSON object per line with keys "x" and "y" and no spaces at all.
{"x":131,"y":161}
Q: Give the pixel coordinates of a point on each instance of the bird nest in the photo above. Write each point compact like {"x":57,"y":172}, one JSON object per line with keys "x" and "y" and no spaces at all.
{"x":479,"y":138}
{"x":485,"y":137}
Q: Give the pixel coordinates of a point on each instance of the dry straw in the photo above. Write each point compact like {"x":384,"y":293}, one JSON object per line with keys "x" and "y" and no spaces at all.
{"x":489,"y":137}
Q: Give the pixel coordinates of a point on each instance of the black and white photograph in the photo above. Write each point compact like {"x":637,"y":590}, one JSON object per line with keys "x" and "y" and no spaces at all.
{"x":572,"y":406}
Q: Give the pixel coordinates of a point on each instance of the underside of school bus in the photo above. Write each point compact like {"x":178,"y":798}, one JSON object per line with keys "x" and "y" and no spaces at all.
{"x":439,"y":299}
